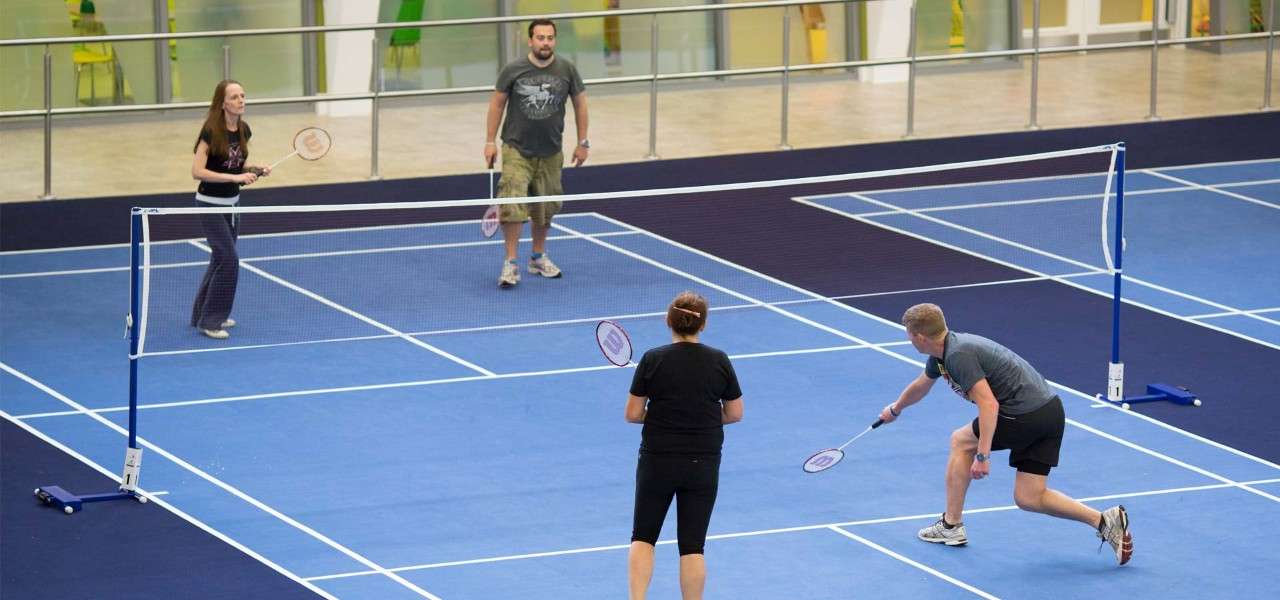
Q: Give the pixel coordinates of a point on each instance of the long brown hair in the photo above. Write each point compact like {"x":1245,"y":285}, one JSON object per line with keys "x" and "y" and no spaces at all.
{"x":215,"y":122}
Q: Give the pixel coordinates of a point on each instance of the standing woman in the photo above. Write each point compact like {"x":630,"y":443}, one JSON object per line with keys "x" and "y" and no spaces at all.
{"x":219,"y":166}
{"x":691,"y":392}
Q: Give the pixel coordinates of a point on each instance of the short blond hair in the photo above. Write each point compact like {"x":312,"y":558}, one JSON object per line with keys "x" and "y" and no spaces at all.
{"x":925,"y":319}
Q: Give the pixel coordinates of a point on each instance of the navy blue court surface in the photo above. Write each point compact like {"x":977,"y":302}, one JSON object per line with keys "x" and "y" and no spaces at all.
{"x":483,"y":453}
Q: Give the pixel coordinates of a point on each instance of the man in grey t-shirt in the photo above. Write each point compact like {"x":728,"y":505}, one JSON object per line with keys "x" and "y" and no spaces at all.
{"x":1016,"y":411}
{"x":533,"y":91}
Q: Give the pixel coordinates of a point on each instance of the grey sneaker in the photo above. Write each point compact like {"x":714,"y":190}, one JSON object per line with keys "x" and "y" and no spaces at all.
{"x":544,"y":267}
{"x":1115,"y":531}
{"x":940,"y":534}
{"x":510,"y":275}
{"x":217,"y":334}
{"x":229,"y":323}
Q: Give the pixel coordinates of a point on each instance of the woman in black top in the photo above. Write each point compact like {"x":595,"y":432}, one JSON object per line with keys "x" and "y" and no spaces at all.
{"x":684,"y":393}
{"x":219,"y":165}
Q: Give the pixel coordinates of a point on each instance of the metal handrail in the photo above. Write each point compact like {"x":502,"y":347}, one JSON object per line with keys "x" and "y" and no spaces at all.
{"x":377,"y":94}
{"x":138,"y":37}
{"x":684,"y":75}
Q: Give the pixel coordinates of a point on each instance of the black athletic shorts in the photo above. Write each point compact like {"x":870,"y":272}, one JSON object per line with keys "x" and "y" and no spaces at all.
{"x":692,"y":480}
{"x":1033,"y":439}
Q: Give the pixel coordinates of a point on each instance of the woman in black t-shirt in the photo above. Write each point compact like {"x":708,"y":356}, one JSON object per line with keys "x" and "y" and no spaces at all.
{"x":219,"y":165}
{"x":684,"y":393}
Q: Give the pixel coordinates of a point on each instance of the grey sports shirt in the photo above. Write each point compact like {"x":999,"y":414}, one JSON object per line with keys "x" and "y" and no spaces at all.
{"x":535,"y":104}
{"x":967,"y":358}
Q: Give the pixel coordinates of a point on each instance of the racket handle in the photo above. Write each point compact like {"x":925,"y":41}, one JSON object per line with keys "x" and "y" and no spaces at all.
{"x":277,"y":163}
{"x":878,"y":423}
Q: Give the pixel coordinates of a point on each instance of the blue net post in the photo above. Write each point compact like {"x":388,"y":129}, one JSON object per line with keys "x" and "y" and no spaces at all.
{"x":1115,"y":371}
{"x":66,"y":501}
{"x":1156,"y":392}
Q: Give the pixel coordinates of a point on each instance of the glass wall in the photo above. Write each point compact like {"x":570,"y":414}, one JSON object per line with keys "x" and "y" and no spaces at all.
{"x":1053,"y":13}
{"x":83,"y":74}
{"x":957,"y":26}
{"x":438,"y":57}
{"x":267,"y":65}
{"x":619,"y":46}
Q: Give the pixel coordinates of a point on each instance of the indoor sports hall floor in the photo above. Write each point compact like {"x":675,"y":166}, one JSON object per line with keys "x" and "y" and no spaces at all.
{"x":500,"y":466}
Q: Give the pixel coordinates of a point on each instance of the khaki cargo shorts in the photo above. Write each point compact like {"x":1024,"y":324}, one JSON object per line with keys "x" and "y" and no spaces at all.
{"x":525,"y":176}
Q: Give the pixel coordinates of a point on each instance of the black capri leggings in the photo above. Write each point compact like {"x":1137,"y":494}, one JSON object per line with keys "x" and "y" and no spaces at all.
{"x":692,"y":480}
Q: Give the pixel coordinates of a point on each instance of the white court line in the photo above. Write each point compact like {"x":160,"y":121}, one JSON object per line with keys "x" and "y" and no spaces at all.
{"x":1247,"y":183}
{"x":425,"y":382}
{"x":534,"y":324}
{"x":996,"y":203}
{"x":1234,"y":312}
{"x":902,"y":357}
{"x":1057,"y":278}
{"x":152,"y":497}
{"x":974,"y":232}
{"x":272,"y":235}
{"x":359,"y":316}
{"x":919,"y":565}
{"x":899,"y":326}
{"x":1184,"y":295}
{"x":779,"y":530}
{"x":1210,"y":188}
{"x":222,"y":485}
{"x":271,"y":257}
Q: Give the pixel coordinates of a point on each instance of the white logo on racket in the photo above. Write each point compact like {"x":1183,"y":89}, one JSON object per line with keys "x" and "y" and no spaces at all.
{"x":823,"y":460}
{"x":489,"y":222}
{"x":614,"y":343}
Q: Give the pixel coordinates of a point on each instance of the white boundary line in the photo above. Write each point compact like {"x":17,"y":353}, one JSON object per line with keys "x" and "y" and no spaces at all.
{"x":898,"y":326}
{"x":1210,"y":188}
{"x":1233,"y":313}
{"x":250,"y":236}
{"x":220,"y":484}
{"x":919,"y":565}
{"x":896,"y":355}
{"x":1186,"y":296}
{"x":779,"y":530}
{"x":976,"y":233}
{"x":273,"y":257}
{"x":152,"y":497}
{"x":425,"y":382}
{"x":1057,"y":278}
{"x":984,"y":235}
{"x":351,"y":313}
{"x":508,"y":326}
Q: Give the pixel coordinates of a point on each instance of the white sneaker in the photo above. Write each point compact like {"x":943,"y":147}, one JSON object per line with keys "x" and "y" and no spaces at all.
{"x":217,"y":334}
{"x":229,"y":323}
{"x":510,"y":275}
{"x":544,"y":267}
{"x":938,"y":533}
{"x":1115,"y":531}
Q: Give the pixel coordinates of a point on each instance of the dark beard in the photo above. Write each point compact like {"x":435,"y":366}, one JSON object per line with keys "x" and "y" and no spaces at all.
{"x":544,"y":54}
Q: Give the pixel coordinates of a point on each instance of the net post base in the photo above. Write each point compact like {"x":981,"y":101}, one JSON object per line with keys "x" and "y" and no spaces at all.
{"x":1158,"y":392}
{"x":70,"y":503}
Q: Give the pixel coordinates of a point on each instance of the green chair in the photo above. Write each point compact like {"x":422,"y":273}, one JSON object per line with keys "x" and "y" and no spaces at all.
{"x":406,"y":41}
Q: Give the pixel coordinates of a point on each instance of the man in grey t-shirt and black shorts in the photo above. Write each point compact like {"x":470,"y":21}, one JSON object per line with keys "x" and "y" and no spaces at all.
{"x":533,"y":90}
{"x":1017,"y":411}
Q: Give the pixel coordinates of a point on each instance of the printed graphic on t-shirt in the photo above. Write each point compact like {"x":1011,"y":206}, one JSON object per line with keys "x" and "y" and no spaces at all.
{"x":234,"y":158}
{"x":541,"y":95}
{"x":955,"y":387}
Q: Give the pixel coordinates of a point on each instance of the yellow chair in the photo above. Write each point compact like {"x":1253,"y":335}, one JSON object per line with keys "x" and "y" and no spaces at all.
{"x":91,"y":56}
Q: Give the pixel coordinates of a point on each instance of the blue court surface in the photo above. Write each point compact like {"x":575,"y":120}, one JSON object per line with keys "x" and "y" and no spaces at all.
{"x":425,"y":452}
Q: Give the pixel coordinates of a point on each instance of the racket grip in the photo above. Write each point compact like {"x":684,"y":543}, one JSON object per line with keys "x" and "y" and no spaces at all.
{"x":878,"y":423}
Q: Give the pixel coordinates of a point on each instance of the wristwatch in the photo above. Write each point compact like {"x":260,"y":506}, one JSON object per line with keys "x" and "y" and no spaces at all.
{"x":585,"y":144}
{"x":980,"y":457}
